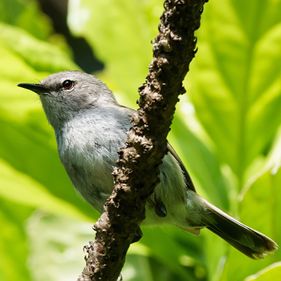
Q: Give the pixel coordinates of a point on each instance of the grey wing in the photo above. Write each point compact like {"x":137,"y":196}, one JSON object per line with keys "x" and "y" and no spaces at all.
{"x":188,"y":181}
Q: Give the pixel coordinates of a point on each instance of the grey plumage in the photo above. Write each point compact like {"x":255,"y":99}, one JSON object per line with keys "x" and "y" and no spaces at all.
{"x":90,"y":127}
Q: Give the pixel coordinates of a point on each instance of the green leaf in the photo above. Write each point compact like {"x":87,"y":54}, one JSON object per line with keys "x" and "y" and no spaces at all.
{"x":27,"y":144}
{"x":18,"y":187}
{"x":235,"y":80}
{"x":133,"y":262}
{"x":45,"y":57}
{"x":26,"y":15}
{"x":270,"y":273}
{"x":14,"y":243}
{"x":120,"y":37}
{"x":185,"y":256}
{"x":56,"y":246}
{"x":201,"y":162}
{"x":260,"y":208}
{"x":42,"y":165}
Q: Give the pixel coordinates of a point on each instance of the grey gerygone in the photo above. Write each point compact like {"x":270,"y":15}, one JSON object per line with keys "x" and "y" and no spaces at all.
{"x":90,"y":127}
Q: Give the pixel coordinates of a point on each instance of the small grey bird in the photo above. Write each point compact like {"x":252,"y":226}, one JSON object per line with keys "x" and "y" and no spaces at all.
{"x":90,"y":127}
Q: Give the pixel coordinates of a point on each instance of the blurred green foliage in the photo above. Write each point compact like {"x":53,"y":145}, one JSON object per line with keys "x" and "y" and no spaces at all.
{"x":227,"y":131}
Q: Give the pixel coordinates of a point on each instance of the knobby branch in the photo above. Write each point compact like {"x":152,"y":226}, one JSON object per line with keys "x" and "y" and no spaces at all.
{"x":137,"y":169}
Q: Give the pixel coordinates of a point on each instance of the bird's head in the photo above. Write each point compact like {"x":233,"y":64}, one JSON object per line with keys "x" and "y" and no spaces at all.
{"x":67,"y":93}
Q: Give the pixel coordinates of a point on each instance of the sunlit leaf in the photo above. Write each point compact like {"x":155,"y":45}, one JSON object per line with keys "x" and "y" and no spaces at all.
{"x":184,"y":245}
{"x":14,"y":245}
{"x":61,"y":240}
{"x":24,"y":45}
{"x":201,"y":162}
{"x":19,"y":188}
{"x":121,"y":37}
{"x":260,"y":209}
{"x":25,"y":14}
{"x":42,"y":165}
{"x":235,"y":81}
{"x":270,"y":273}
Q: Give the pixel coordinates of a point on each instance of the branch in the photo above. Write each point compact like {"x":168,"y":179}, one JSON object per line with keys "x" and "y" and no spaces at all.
{"x":138,"y":167}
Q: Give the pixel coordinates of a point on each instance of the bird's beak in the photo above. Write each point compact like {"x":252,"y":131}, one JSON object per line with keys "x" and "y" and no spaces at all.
{"x":37,"y":88}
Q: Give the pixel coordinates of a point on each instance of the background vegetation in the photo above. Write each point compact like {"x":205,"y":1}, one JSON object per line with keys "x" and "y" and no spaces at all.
{"x":227,"y":131}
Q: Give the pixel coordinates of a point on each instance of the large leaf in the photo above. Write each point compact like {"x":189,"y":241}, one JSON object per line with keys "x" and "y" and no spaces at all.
{"x":25,"y":14}
{"x":201,"y":162}
{"x":27,"y":143}
{"x":185,"y":247}
{"x":270,"y":273}
{"x":61,"y":240}
{"x":260,"y":208}
{"x":18,"y":187}
{"x":45,"y":57}
{"x":42,"y":165}
{"x":13,"y":242}
{"x":120,"y":37}
{"x":235,"y":81}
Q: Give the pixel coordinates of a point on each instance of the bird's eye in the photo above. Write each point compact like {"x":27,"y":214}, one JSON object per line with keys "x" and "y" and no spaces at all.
{"x":67,"y":84}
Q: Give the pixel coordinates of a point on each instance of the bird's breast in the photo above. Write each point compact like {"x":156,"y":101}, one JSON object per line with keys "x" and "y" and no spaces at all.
{"x":89,"y":156}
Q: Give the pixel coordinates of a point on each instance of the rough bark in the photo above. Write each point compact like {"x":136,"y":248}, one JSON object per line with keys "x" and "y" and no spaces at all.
{"x":137,"y":170}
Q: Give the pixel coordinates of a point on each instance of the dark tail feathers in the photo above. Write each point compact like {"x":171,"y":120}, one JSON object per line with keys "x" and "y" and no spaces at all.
{"x":249,"y":241}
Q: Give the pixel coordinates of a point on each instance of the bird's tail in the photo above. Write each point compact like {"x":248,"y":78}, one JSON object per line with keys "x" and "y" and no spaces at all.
{"x":247,"y":240}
